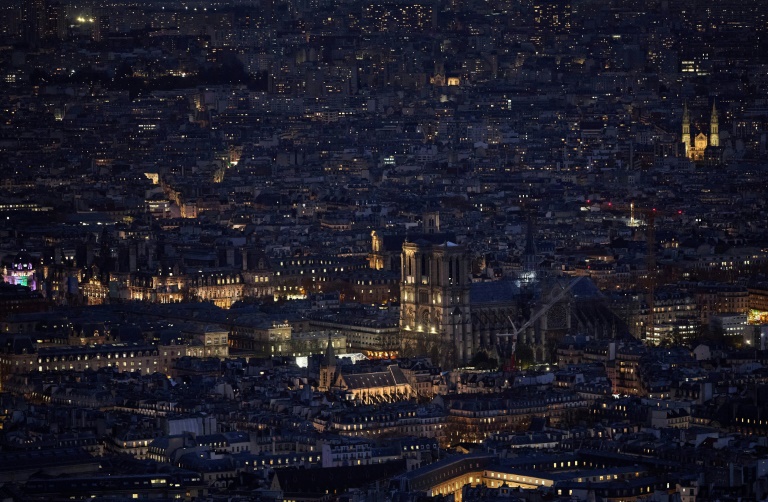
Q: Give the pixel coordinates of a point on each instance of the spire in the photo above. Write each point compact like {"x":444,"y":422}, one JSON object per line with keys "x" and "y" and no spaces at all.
{"x":330,"y":355}
{"x":327,"y":368}
{"x":714,"y":127}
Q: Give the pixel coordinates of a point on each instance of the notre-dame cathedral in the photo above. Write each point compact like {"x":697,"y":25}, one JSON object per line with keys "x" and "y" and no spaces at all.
{"x":443,"y":313}
{"x":435,"y":298}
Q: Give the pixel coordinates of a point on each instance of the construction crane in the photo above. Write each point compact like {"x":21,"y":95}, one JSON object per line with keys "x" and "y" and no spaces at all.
{"x":535,"y":317}
{"x":650,"y":214}
{"x":652,"y":274}
{"x":650,"y":265}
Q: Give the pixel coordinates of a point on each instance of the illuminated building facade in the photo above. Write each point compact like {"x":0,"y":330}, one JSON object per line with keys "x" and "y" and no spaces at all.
{"x":731,"y":325}
{"x":696,"y":146}
{"x":21,"y":271}
{"x":121,"y":356}
{"x":442,"y":313}
{"x":434,"y":304}
{"x":261,"y":337}
{"x":211,"y":342}
{"x":221,"y":288}
{"x":758,"y":303}
{"x":375,"y":337}
{"x":387,"y":386}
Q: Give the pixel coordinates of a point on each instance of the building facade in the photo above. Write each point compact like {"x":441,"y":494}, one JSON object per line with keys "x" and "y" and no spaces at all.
{"x":696,"y":146}
{"x":444,"y":314}
{"x":435,"y":299}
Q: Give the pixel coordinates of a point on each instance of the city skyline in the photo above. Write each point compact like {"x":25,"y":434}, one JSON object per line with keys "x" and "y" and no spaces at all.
{"x":369,"y":251}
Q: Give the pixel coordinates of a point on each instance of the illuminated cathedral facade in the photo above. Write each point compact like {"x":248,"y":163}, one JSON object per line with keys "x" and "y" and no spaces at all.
{"x":696,"y":146}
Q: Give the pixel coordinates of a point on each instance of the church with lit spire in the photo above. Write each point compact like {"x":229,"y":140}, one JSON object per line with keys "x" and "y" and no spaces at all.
{"x":699,"y":147}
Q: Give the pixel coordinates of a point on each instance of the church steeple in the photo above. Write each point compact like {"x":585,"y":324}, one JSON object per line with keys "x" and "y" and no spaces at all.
{"x":687,"y":129}
{"x":714,"y":128}
{"x":329,"y":358}
{"x":327,"y":367}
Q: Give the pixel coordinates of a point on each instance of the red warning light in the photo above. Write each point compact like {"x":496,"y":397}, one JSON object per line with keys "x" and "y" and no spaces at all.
{"x":679,"y":211}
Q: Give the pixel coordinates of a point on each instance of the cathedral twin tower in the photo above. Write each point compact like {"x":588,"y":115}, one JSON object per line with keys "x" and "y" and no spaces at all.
{"x":695,"y":150}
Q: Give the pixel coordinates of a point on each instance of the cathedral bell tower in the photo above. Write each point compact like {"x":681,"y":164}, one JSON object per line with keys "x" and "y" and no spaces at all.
{"x":714,"y":128}
{"x":434,"y":306}
{"x":687,"y":130}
